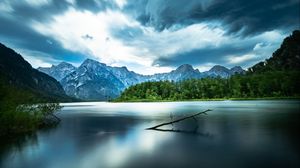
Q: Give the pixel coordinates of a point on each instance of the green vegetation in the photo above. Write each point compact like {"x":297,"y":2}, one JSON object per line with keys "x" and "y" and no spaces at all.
{"x":25,"y":94}
{"x":263,"y":85}
{"x":276,"y":77}
{"x":24,"y":111}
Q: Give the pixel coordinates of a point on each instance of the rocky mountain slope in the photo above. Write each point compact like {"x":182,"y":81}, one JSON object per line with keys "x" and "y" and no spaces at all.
{"x":59,"y":71}
{"x":223,"y":72}
{"x":17,"y":72}
{"x":93,"y":80}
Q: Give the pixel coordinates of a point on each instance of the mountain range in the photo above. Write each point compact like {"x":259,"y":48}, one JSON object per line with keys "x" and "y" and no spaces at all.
{"x":93,"y":80}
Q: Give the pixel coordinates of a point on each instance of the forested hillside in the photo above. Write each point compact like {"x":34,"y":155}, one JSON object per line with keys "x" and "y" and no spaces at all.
{"x":286,"y":58}
{"x":270,"y":84}
{"x":21,"y":86}
{"x":277,"y":76}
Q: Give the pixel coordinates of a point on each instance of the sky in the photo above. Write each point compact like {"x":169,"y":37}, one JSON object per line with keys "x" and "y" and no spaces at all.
{"x":147,"y":36}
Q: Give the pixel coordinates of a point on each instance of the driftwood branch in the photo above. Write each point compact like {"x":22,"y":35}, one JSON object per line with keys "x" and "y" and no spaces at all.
{"x":178,"y":120}
{"x":191,"y":132}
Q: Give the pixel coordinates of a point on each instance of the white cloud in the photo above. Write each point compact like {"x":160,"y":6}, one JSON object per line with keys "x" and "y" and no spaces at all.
{"x":35,"y":62}
{"x":168,"y":42}
{"x":139,"y":51}
{"x":258,"y":46}
{"x":38,"y":3}
{"x":266,"y":44}
{"x":121,"y":3}
{"x":69,"y":28}
{"x":205,"y":67}
{"x":38,"y":59}
{"x":71,"y":1}
{"x":240,"y":59}
{"x":6,"y":7}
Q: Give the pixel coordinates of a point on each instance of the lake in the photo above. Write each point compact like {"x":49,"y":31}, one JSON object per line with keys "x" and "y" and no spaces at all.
{"x":112,"y":135}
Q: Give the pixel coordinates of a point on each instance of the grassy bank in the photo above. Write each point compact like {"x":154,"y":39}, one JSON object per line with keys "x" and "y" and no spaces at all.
{"x":19,"y":119}
{"x":22,"y":111}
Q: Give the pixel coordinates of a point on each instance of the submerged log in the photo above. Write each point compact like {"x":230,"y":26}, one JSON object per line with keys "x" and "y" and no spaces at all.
{"x":178,"y":120}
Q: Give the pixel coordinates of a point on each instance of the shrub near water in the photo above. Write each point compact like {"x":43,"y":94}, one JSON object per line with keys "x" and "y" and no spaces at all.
{"x":20,"y":111}
{"x":26,"y":118}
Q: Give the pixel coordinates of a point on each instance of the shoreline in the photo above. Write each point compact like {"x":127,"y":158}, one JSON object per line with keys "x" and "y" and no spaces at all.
{"x":214,"y":99}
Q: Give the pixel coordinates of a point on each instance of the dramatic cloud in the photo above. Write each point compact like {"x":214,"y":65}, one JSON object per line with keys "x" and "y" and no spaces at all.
{"x":16,"y":30}
{"x":147,"y":36}
{"x":228,"y":51}
{"x":237,"y":16}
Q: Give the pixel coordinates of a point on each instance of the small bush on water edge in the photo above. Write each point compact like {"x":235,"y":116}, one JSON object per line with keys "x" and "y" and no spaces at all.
{"x":23,"y":110}
{"x":25,"y":118}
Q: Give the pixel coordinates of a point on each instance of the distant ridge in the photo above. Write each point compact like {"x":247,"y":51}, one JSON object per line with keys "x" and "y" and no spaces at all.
{"x":93,"y":80}
{"x":101,"y":82}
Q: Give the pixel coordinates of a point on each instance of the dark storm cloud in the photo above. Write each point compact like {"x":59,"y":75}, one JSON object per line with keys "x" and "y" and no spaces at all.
{"x":23,"y":37}
{"x":241,"y":19}
{"x":17,"y":32}
{"x":250,"y":16}
{"x":95,"y":5}
{"x":205,"y":55}
{"x":127,"y":34}
{"x":24,"y":12}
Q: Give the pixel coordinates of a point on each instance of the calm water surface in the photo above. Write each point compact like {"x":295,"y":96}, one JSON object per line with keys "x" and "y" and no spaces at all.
{"x":112,"y":135}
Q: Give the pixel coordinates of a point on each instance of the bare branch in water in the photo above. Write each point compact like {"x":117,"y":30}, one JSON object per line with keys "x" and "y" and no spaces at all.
{"x":178,"y":120}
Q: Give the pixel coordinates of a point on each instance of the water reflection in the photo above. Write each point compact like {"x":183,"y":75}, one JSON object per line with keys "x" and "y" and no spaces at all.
{"x":234,"y":134}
